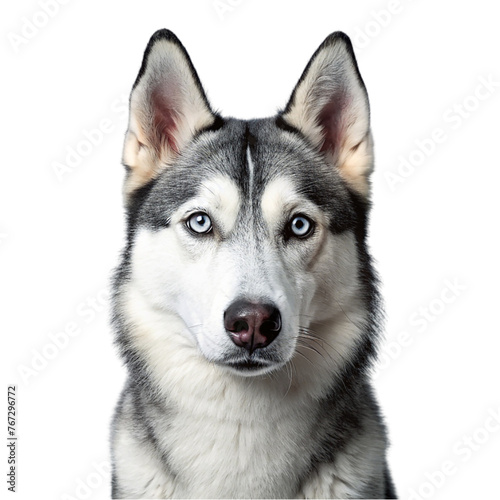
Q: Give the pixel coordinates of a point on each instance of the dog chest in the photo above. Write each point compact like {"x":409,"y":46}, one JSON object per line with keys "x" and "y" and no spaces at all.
{"x":221,"y":458}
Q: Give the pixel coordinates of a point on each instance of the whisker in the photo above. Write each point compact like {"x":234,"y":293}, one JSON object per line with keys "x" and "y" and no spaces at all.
{"x":306,"y":346}
{"x":290,"y":375}
{"x":304,"y":356}
{"x":194,"y":326}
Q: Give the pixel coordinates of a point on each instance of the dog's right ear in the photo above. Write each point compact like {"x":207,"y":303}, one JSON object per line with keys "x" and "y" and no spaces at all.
{"x":167,"y":108}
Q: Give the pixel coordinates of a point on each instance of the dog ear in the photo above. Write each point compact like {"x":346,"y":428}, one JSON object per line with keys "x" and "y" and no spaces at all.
{"x":167,"y":108}
{"x":329,"y":105}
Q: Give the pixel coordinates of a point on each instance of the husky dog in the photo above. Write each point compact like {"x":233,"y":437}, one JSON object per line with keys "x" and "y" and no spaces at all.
{"x":245,"y":305}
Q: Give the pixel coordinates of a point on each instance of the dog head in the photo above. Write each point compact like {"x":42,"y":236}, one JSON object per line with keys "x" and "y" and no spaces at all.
{"x":246,"y":238}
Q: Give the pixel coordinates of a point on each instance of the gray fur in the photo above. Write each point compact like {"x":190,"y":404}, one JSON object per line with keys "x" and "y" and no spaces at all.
{"x":186,"y":426}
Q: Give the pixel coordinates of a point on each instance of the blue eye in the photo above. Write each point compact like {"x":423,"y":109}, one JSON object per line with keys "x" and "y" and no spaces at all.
{"x":199,"y":223}
{"x":301,"y":226}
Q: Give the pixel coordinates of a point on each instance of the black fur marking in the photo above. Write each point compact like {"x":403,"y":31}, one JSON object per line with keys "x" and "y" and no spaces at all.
{"x":281,"y":123}
{"x":390,"y":489}
{"x":217,"y":124}
{"x":135,"y":202}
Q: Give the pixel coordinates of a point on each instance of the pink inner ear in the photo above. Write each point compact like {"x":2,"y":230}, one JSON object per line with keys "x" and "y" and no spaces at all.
{"x":164,"y":119}
{"x":332,"y":120}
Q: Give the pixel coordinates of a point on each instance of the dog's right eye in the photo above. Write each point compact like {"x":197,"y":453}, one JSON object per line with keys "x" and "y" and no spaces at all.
{"x":199,"y":223}
{"x":300,"y":227}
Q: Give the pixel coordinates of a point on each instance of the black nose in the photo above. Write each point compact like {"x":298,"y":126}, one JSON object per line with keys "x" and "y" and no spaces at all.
{"x":252,"y":326}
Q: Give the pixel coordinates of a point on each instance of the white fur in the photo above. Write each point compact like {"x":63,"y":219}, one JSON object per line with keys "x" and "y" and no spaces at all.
{"x":211,"y":408}
{"x":280,"y":200}
{"x":198,"y":278}
{"x":251,"y":169}
{"x":267,"y":420}
{"x":222,"y":198}
{"x":176,"y":286}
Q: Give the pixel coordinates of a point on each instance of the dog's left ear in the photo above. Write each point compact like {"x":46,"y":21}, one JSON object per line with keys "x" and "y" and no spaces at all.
{"x":329,"y":105}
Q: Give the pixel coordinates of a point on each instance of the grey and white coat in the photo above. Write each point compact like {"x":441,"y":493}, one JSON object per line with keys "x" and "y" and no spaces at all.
{"x":272,"y":214}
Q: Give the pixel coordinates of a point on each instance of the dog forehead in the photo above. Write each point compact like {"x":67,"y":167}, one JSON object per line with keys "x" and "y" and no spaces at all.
{"x":278,"y":196}
{"x":221,"y":192}
{"x":223,"y":195}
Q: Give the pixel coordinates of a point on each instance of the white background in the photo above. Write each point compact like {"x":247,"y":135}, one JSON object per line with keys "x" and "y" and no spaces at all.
{"x":61,"y":236}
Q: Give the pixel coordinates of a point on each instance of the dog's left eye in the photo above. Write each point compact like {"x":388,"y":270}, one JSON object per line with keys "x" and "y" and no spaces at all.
{"x":301,"y":226}
{"x":199,"y":223}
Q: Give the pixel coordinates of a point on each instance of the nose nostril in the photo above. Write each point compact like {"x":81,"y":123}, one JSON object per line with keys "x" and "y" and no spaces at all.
{"x":270,"y":326}
{"x":240,"y":326}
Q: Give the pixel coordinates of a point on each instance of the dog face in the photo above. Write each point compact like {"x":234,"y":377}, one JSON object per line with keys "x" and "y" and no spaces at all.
{"x":244,"y":236}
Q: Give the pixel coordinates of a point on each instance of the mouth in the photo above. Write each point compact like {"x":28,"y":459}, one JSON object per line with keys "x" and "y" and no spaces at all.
{"x":249,"y":367}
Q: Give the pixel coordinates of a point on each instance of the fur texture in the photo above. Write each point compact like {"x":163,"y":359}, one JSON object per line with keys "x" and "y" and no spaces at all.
{"x":201,"y":416}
